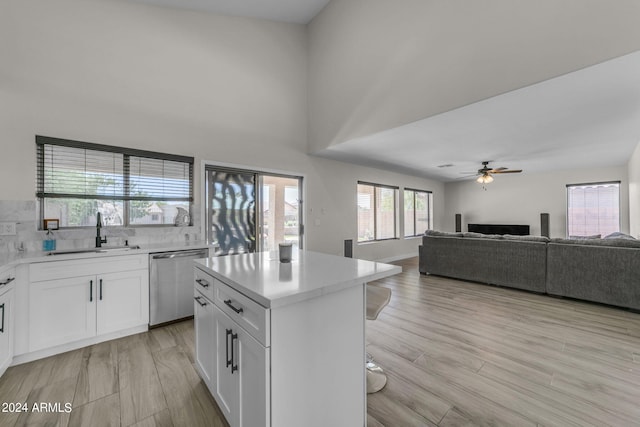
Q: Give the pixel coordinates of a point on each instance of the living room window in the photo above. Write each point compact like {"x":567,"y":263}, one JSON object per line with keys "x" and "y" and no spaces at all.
{"x":75,"y":180}
{"x":593,"y":208}
{"x":377,"y":207}
{"x":417,"y":212}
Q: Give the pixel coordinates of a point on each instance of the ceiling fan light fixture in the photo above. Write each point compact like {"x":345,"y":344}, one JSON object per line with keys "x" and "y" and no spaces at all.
{"x":485,"y":179}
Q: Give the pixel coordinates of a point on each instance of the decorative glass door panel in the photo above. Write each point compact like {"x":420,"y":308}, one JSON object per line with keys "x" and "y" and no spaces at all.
{"x":231,"y":211}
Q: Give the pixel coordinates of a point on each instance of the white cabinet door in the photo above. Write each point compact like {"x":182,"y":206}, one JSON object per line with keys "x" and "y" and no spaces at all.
{"x":227,"y":388}
{"x":6,"y":330}
{"x":61,"y":311}
{"x":205,"y":335}
{"x":123,"y":300}
{"x":242,"y":386}
{"x":252,"y":360}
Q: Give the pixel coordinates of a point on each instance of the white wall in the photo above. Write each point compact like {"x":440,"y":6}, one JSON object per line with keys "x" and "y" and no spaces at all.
{"x":520,"y":199}
{"x":634,"y":193}
{"x":223,"y":89}
{"x":378,"y":64}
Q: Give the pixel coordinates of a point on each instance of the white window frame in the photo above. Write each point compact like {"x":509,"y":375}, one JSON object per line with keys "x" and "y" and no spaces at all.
{"x":396,"y":191}
{"x":590,"y":184}
{"x":429,"y":209}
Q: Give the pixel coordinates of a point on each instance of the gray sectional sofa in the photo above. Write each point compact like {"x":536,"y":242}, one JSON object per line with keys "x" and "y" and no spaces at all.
{"x":599,"y":270}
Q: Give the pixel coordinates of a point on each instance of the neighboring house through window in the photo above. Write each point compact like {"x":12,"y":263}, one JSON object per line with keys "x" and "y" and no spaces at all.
{"x":593,"y":209}
{"x":377,"y":207}
{"x":75,"y":180}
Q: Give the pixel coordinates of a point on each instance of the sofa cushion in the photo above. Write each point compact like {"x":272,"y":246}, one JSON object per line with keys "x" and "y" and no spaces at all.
{"x":527,"y":238}
{"x":619,"y":235}
{"x":482,"y":236}
{"x":615,"y":242}
{"x":594,"y":236}
{"x":441,"y":233}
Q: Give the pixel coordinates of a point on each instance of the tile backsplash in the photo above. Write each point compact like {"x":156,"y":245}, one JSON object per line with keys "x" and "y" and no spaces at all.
{"x":29,"y":238}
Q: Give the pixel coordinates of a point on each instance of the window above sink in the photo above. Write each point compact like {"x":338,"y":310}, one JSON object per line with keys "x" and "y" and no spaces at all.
{"x":128,"y":187}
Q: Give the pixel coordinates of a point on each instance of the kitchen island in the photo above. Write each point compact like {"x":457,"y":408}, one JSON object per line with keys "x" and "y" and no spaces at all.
{"x":283,"y":344}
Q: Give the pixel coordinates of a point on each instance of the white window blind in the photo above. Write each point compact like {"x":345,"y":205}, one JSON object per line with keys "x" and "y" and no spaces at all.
{"x":593,"y":209}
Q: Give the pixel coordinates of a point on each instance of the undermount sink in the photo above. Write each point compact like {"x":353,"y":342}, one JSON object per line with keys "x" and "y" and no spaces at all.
{"x":105,"y":249}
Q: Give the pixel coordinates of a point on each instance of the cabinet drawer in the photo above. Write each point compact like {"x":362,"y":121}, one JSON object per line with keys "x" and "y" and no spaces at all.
{"x":250,"y":315}
{"x":86,"y":266}
{"x":205,"y":283}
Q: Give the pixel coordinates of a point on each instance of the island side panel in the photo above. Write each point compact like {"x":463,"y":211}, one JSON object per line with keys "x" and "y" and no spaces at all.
{"x":317,"y":361}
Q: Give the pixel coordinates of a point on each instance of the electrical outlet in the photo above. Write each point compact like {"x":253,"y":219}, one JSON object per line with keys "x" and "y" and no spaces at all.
{"x":7,"y":228}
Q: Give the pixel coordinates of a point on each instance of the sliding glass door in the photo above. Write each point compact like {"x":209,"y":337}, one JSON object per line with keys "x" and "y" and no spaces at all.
{"x":281,"y":211}
{"x":241,"y":219}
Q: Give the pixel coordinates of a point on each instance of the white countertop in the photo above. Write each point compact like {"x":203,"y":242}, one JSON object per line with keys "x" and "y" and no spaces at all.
{"x":8,"y":260}
{"x":263,"y":278}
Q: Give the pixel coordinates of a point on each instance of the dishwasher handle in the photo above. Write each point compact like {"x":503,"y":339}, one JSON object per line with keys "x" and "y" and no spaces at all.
{"x":180,"y":254}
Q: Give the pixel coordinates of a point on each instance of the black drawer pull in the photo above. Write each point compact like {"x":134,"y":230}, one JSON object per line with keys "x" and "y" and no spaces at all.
{"x":90,"y":290}
{"x":2,"y":327}
{"x":202,"y":304}
{"x":233,"y":367}
{"x":6,"y":282}
{"x":237,"y":310}
{"x":100,"y":289}
{"x":202,"y":283}
{"x":226,"y":340}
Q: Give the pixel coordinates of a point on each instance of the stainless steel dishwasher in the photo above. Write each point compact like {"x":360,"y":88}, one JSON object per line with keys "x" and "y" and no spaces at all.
{"x":171,"y":285}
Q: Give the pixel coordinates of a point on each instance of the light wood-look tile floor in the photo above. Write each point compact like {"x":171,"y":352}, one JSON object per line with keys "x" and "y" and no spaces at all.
{"x":456,"y":354}
{"x":459,"y":353}
{"x":143,"y":380}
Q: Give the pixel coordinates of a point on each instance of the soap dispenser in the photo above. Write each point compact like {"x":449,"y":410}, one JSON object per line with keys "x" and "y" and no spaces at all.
{"x":49,"y":243}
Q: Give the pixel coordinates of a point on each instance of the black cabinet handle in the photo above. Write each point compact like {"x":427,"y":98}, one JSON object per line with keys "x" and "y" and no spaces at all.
{"x":2,"y":327}
{"x":237,"y":310}
{"x":233,"y":367}
{"x":90,"y":290}
{"x":226,"y":340}
{"x":100,"y":289}
{"x":202,"y":283}
{"x":6,"y":282}
{"x":202,"y":304}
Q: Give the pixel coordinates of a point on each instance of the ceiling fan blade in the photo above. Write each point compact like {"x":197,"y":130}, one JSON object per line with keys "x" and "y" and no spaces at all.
{"x":509,"y":171}
{"x":469,"y":173}
{"x":497,"y":170}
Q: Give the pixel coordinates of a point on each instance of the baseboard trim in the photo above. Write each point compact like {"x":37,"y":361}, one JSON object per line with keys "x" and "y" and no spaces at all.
{"x":397,"y":257}
{"x":40,"y":354}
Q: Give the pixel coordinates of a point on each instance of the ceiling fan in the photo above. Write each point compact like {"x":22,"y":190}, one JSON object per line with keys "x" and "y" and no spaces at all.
{"x":485,"y":173}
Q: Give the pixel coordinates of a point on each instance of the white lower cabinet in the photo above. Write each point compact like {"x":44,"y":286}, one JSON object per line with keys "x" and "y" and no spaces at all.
{"x":123,"y":300}
{"x":67,"y":309}
{"x":205,"y":335}
{"x":61,"y":311}
{"x":234,"y":365}
{"x":6,"y":329}
{"x":226,"y":389}
{"x":252,"y":375}
{"x":242,"y":370}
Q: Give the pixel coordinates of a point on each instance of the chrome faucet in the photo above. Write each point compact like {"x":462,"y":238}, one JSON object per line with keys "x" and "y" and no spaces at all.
{"x":99,"y":240}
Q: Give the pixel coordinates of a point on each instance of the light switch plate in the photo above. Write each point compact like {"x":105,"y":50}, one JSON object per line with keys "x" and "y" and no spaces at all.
{"x":7,"y":228}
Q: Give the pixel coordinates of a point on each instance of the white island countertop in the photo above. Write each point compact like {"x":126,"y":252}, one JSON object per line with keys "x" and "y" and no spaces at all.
{"x":264,"y":279}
